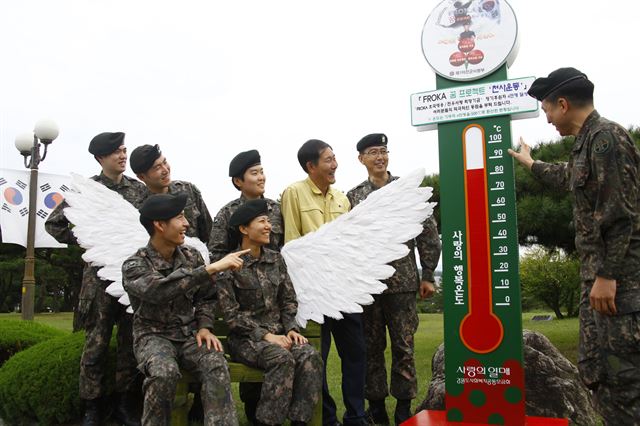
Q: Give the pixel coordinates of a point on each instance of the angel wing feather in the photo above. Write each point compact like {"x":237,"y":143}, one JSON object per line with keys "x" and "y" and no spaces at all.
{"x":337,"y":268}
{"x":108,"y":228}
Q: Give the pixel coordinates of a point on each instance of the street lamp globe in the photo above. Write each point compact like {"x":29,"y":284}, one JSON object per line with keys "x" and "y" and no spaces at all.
{"x":46,"y":130}
{"x":24,"y":143}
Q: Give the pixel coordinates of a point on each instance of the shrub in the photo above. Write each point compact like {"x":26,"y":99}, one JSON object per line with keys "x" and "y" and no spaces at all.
{"x":16,"y":335}
{"x":41,"y":383}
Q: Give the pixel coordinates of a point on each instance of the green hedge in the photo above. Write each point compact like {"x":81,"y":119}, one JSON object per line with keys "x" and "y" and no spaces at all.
{"x":41,"y":383}
{"x":17,"y":335}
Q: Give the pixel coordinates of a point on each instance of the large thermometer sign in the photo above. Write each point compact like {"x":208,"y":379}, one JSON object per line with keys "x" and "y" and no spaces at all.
{"x":484,"y":373}
{"x":483,"y":328}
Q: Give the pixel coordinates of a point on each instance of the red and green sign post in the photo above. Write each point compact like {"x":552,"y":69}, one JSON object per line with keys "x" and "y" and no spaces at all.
{"x":484,"y":371}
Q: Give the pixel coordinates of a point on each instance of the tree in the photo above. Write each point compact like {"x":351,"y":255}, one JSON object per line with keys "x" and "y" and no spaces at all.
{"x":11,"y":273}
{"x":61,"y":277}
{"x":58,"y":275}
{"x":553,"y":278}
{"x":545,"y":215}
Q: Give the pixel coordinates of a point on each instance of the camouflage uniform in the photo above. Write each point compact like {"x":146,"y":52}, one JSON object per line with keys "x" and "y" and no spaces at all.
{"x":257,"y":300}
{"x":97,"y":311}
{"x":395,"y":310}
{"x":195,"y":211}
{"x":604,"y":179}
{"x":171,"y":301}
{"x":219,"y":244}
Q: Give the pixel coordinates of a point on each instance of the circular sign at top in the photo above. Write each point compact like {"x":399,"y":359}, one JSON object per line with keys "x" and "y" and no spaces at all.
{"x":470,"y":39}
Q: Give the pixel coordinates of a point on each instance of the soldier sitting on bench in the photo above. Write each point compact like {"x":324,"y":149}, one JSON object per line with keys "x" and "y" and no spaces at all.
{"x":172,"y":294}
{"x":259,"y":304}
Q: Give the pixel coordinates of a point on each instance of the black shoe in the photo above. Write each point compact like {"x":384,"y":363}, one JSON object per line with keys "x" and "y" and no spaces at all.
{"x":403,"y":411}
{"x":91,"y":412}
{"x":377,"y":412}
{"x":196,"y":412}
{"x":297,"y":423}
{"x":125,"y":411}
{"x":250,"y":407}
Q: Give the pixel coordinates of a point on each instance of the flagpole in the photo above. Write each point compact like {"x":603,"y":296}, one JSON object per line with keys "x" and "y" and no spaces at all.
{"x":45,"y":132}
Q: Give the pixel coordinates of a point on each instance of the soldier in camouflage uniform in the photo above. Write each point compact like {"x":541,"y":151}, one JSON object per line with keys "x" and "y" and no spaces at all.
{"x":172,"y":294}
{"x":247,"y":176}
{"x":603,"y":176}
{"x":97,"y":312}
{"x":152,"y":168}
{"x":259,"y":304}
{"x":394,"y":309}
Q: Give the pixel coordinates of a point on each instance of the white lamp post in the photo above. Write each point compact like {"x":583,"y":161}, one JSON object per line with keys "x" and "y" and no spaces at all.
{"x":45,"y":131}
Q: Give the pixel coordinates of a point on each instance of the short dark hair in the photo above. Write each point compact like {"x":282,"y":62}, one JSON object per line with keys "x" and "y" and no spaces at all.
{"x":310,"y":151}
{"x":148,"y":225}
{"x":234,"y":184}
{"x":578,"y":92}
{"x":234,"y":238}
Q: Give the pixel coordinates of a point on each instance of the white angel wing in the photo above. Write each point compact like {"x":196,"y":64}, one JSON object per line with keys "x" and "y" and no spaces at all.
{"x":336,"y":268}
{"x":108,"y":228}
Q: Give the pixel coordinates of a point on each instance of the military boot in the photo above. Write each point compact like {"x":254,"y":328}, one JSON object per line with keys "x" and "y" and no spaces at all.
{"x":91,"y":412}
{"x":377,"y":412}
{"x":125,"y":411}
{"x":403,"y":411}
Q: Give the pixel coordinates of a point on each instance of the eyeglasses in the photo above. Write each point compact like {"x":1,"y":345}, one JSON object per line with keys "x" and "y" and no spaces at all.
{"x":376,"y":152}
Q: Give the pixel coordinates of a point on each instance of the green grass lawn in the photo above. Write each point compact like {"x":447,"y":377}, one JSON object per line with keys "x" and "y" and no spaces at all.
{"x":563,"y":334}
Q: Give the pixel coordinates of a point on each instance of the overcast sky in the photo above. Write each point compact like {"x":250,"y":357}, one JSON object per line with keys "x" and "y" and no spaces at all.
{"x":208,"y":79}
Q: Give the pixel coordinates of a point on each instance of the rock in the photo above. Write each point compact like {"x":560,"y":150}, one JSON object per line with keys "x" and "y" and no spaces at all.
{"x":552,"y":385}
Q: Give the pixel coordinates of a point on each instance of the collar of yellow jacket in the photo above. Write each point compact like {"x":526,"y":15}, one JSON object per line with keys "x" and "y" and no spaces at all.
{"x":316,"y":190}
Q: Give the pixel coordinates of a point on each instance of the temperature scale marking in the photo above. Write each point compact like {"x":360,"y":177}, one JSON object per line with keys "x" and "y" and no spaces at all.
{"x":481,"y":331}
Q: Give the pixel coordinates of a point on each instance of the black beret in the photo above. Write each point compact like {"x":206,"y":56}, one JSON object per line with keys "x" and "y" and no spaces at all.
{"x":162,"y":206}
{"x":143,"y":157}
{"x":544,"y":86}
{"x":106,"y":143}
{"x":242,"y":162}
{"x":247,"y":212}
{"x":374,"y":139}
